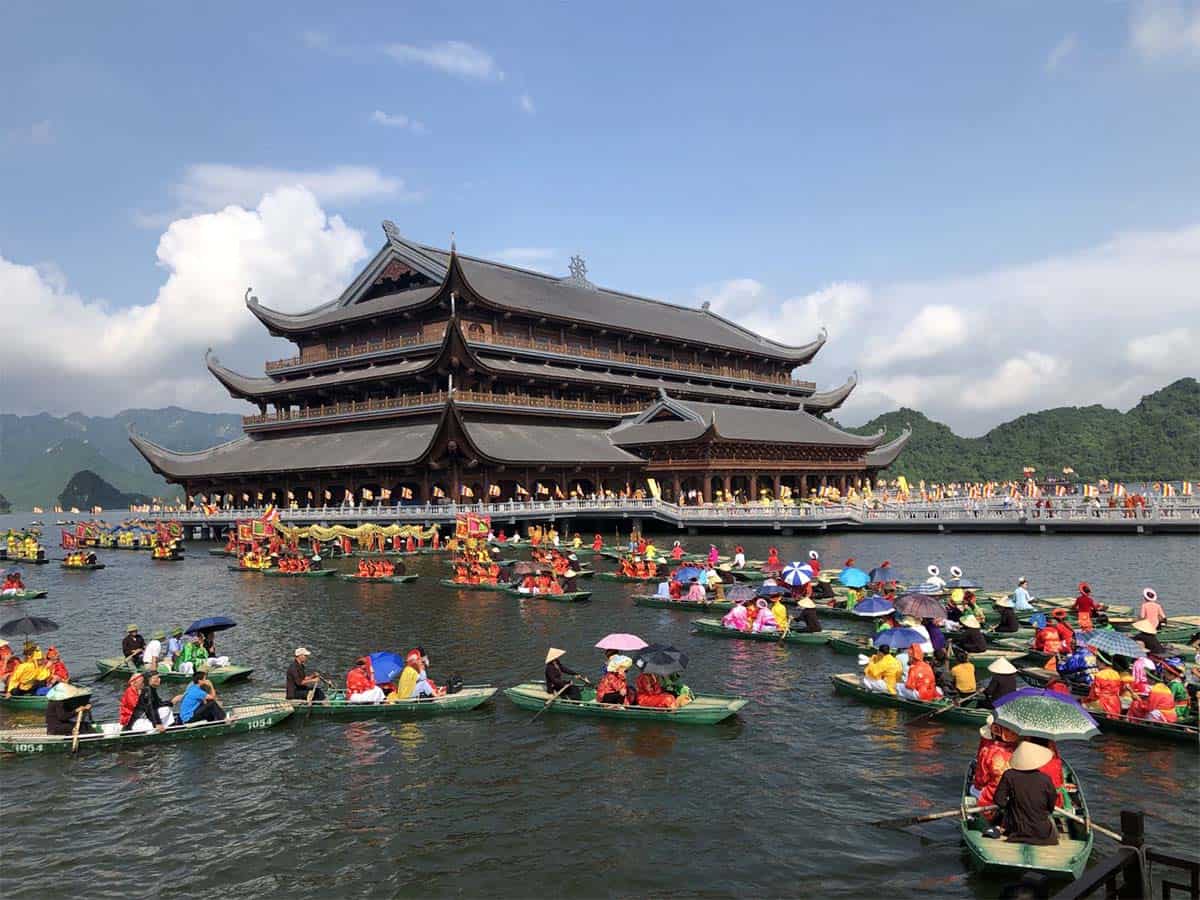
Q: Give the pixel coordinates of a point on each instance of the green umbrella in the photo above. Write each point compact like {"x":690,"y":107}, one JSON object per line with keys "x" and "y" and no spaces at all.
{"x":1038,"y":713}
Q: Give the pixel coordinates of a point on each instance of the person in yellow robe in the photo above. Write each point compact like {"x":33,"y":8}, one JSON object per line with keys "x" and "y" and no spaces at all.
{"x":779,"y":611}
{"x":24,"y":678}
{"x":882,"y":671}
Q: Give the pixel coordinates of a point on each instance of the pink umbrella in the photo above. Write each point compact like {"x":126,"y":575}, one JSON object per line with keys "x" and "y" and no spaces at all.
{"x":629,"y":642}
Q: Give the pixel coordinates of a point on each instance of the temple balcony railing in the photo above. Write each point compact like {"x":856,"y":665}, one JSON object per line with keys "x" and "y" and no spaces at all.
{"x":382,"y":405}
{"x":432,"y":334}
{"x":637,"y":360}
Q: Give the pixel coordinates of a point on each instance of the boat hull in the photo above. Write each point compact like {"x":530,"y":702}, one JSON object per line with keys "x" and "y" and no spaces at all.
{"x":382,"y":579}
{"x":216,"y":676}
{"x":32,"y":702}
{"x":652,"y":602}
{"x":451,"y":583}
{"x":714,"y":628}
{"x":338,"y":707}
{"x":22,"y":595}
{"x":704,"y":710}
{"x":279,"y":573}
{"x":570,"y":597}
{"x":850,"y":685}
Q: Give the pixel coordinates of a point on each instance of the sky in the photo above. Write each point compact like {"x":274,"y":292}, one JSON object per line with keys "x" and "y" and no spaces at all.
{"x":992,"y":208}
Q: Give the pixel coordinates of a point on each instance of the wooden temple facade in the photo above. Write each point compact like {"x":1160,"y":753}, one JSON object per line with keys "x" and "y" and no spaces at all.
{"x":440,"y":376}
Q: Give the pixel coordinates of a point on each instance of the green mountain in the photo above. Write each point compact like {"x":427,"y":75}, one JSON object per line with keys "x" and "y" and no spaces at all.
{"x":39,"y":454}
{"x":87,"y":489}
{"x":1158,"y":439}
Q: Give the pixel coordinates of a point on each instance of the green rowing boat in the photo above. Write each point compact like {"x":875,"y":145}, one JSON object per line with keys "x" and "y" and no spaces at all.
{"x":850,"y":685}
{"x":497,"y":586}
{"x":216,"y":676}
{"x":383,"y":579}
{"x":850,"y":646}
{"x":655,"y":602}
{"x":338,"y":707}
{"x":617,"y":576}
{"x":220,"y":551}
{"x":311,"y":573}
{"x":89,"y":567}
{"x":569,"y":597}
{"x":26,"y":594}
{"x":33,"y":702}
{"x":996,"y":856}
{"x":716,"y":629}
{"x":704,"y":710}
{"x":30,"y":741}
{"x":247,"y":569}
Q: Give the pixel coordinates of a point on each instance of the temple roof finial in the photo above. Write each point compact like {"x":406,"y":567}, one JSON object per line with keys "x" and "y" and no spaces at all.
{"x":578,"y":270}
{"x":390,"y":230}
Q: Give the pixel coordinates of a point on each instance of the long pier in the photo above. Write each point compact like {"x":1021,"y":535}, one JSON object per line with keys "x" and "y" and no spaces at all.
{"x":1179,"y":515}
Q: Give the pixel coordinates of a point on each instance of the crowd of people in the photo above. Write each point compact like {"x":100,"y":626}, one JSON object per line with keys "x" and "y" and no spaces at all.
{"x":176,"y":652}
{"x":34,"y":673}
{"x":648,"y":689}
{"x":13,"y":583}
{"x":361,"y":685}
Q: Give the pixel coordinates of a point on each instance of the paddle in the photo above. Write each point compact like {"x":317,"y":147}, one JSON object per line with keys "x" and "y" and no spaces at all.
{"x":75,"y":730}
{"x":546,"y":705}
{"x":932,"y":817}
{"x":942,"y":709}
{"x":1107,"y":832}
{"x":124,"y":665}
{"x":786,"y":630}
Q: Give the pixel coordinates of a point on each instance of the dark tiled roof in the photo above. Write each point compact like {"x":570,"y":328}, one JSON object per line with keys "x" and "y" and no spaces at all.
{"x":335,"y":313}
{"x":393,"y":445}
{"x":240,"y":385}
{"x":884,"y":455}
{"x":526,"y":443}
{"x":824,"y":401}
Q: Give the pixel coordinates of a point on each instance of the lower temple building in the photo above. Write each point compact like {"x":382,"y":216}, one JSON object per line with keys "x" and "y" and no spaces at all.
{"x":437,"y":376}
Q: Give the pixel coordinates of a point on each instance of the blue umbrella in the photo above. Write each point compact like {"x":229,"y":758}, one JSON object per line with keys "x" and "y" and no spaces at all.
{"x":386,"y":665}
{"x":687,"y":573}
{"x":883,"y":574}
{"x":769,"y":590}
{"x":926,"y":587}
{"x":873,"y":607}
{"x":854,"y":578}
{"x":797,"y":574}
{"x":741,"y":592}
{"x":900,"y":638}
{"x":212,"y":623}
{"x":1111,"y":643}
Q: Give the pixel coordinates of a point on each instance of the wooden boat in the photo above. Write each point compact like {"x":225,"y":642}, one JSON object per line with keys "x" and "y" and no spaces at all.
{"x":850,"y":684}
{"x":215,"y":675}
{"x":26,"y":594}
{"x":86,"y":567}
{"x":851,"y":645}
{"x":497,"y":586}
{"x":167,"y":558}
{"x":704,"y":710}
{"x":33,"y":702}
{"x":1024,"y":646}
{"x":1023,"y":634}
{"x":653,"y":601}
{"x":996,"y":856}
{"x":221,"y":551}
{"x":568,"y":597}
{"x":716,"y":629}
{"x":379,"y":554}
{"x":253,"y":569}
{"x":617,"y":576}
{"x":311,"y":573}
{"x":381,"y":579}
{"x":336,"y":706}
{"x":29,"y":741}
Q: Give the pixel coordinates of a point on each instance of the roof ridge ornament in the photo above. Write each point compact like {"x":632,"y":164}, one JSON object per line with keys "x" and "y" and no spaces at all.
{"x":248,"y":298}
{"x":390,"y":230}
{"x":578,"y":270}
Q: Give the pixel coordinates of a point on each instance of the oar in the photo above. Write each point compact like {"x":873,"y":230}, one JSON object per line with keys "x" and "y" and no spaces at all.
{"x":75,"y":730}
{"x":932,"y":817}
{"x":124,"y":664}
{"x":941,"y":709}
{"x":786,"y":630}
{"x":1088,"y":823}
{"x":546,"y":705}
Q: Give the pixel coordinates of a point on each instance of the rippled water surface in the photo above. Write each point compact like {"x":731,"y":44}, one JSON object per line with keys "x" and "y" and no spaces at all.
{"x":773,"y":803}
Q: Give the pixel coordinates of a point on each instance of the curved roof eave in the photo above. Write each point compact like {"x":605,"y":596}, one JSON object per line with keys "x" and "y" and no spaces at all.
{"x":825,"y":401}
{"x":240,"y":386}
{"x":883,"y":456}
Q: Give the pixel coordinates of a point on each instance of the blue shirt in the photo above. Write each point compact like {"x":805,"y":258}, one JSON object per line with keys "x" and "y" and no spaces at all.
{"x":1021,"y":598}
{"x":192,"y":698}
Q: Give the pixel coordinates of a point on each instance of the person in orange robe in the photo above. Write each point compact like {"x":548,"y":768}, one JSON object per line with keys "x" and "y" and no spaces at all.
{"x":921,"y":683}
{"x":650,"y":692}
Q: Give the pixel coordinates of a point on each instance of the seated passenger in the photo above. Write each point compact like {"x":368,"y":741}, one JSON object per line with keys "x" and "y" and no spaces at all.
{"x":24,"y":678}
{"x":612,"y":687}
{"x":1157,"y":706}
{"x":199,"y":702}
{"x":360,"y":684}
{"x":882,"y":671}
{"x":764,"y":621}
{"x":737,"y":618}
{"x":696,"y":592}
{"x":971,"y":638}
{"x":920,"y":683}
{"x":650,"y":692}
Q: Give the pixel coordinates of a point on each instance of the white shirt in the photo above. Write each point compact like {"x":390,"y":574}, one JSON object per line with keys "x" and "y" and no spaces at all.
{"x":153,"y":650}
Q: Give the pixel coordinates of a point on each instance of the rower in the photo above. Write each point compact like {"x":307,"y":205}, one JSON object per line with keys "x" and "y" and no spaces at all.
{"x":808,"y":615}
{"x":1003,"y":681}
{"x":63,"y":704}
{"x":298,"y":683}
{"x":133,"y":645}
{"x":1008,"y":623}
{"x":1022,"y":600}
{"x":559,"y":677}
{"x":822,"y":588}
{"x":1145,"y":633}
{"x":1026,"y":798}
{"x":971,"y":638}
{"x":1151,"y":609}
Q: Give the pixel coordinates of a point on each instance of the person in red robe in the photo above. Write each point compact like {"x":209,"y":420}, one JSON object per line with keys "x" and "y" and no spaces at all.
{"x":814,"y":562}
{"x":995,"y":749}
{"x":1066,"y":634}
{"x":650,"y":692}
{"x":129,"y":700}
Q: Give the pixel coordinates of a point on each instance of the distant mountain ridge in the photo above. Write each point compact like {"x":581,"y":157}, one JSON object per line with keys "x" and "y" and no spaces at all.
{"x":87,"y":489}
{"x":1156,"y":440}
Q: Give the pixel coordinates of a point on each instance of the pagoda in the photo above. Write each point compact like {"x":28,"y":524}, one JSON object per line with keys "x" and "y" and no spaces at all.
{"x":438,"y":376}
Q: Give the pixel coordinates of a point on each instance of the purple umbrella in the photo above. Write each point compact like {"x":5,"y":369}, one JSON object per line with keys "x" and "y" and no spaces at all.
{"x":920,"y":606}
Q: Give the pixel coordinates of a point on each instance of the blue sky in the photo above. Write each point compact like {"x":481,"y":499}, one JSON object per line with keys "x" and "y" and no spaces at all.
{"x":760,"y":156}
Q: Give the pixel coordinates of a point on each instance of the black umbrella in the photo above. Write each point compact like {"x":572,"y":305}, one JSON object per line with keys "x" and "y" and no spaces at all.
{"x":660,"y":659}
{"x":212,"y":623}
{"x":27,"y":625}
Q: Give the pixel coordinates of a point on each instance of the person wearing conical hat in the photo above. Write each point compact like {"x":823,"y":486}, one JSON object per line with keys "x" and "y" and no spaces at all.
{"x":1003,"y":681}
{"x":808,"y":616}
{"x":133,"y":645}
{"x":1026,"y":798}
{"x":1145,"y":632}
{"x":971,"y":638}
{"x":1008,"y":623}
{"x":1151,"y":609}
{"x":63,"y":704}
{"x":559,"y":677}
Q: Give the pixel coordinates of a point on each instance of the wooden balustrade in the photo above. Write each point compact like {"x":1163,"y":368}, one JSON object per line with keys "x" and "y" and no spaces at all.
{"x":429,"y":335}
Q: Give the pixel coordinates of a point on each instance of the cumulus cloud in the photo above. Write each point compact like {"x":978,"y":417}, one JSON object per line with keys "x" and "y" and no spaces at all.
{"x":1106,"y":325}
{"x":452,"y":57}
{"x":1166,"y":29}
{"x":287,"y":247}
{"x":1060,"y":52}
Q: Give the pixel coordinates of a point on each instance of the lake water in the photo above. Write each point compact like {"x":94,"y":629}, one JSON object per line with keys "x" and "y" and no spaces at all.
{"x":773,"y":803}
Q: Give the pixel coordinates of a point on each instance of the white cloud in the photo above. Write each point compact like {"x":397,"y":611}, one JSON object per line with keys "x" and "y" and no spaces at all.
{"x":379,"y":117}
{"x":38,"y":134}
{"x":287,"y":247}
{"x":1166,"y":29}
{"x":1105,"y":325}
{"x":453,"y":57}
{"x":526,"y":257}
{"x":1060,"y":52}
{"x":526,"y":104}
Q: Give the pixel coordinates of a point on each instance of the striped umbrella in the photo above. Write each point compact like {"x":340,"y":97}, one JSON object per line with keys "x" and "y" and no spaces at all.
{"x":873,"y":607}
{"x":797,"y":574}
{"x":1110,"y":643}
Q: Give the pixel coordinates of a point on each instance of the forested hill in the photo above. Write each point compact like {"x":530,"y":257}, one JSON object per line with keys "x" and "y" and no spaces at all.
{"x":1158,"y":439}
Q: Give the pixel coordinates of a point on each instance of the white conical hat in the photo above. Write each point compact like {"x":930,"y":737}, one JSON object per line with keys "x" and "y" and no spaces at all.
{"x":969,"y":622}
{"x":1029,"y":757}
{"x":1002,"y":666}
{"x":1145,"y":626}
{"x":554,"y":653}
